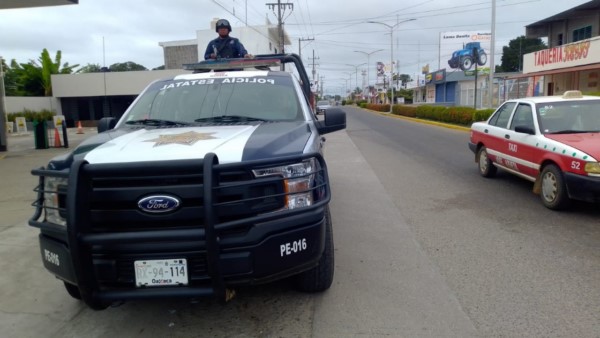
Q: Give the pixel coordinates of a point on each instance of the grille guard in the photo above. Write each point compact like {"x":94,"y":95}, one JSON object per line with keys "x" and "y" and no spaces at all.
{"x":80,"y":238}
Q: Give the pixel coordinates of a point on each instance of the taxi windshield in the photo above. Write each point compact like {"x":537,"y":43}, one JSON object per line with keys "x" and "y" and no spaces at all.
{"x":260,"y":98}
{"x":581,"y":116}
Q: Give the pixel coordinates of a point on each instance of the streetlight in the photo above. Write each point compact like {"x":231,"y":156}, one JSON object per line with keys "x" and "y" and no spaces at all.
{"x":356,"y":70}
{"x":391,"y":53}
{"x":368,"y":67}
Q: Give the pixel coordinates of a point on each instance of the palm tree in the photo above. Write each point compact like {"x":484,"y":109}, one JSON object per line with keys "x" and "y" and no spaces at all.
{"x":34,"y":77}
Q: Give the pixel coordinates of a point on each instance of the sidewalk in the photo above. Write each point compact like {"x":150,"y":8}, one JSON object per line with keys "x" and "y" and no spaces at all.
{"x":16,"y":181}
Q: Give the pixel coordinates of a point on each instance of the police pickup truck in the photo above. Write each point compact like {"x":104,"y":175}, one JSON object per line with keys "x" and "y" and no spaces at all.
{"x":210,"y":180}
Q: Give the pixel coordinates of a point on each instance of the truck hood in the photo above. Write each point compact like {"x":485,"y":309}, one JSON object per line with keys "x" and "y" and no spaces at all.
{"x":589,"y":143}
{"x":231,"y":143}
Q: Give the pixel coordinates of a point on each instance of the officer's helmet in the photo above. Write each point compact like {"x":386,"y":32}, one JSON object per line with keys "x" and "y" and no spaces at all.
{"x":222,"y":23}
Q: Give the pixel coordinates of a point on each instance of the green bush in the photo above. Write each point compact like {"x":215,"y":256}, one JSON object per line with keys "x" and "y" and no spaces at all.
{"x":464,"y":116}
{"x":482,"y":114}
{"x":378,"y":107}
{"x":30,"y":115}
{"x":404,"y":110}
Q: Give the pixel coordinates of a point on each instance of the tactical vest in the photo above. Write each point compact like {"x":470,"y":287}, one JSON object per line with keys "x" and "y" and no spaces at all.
{"x":225,"y":48}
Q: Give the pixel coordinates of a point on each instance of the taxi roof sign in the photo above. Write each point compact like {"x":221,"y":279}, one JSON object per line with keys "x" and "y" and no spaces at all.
{"x":572,"y":94}
{"x":232,"y":64}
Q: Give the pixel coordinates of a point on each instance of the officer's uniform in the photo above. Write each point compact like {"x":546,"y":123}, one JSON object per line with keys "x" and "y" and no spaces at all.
{"x":226,"y":48}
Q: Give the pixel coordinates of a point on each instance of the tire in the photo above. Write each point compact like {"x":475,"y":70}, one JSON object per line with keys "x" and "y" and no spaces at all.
{"x":466,"y":62}
{"x":486,"y":167}
{"x":554,"y":191}
{"x":320,"y":277}
{"x":73,"y":290}
{"x":481,"y":58}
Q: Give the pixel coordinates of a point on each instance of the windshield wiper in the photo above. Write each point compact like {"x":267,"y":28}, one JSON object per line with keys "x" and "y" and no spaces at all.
{"x":157,"y":122}
{"x":573,"y":132}
{"x":229,"y":118}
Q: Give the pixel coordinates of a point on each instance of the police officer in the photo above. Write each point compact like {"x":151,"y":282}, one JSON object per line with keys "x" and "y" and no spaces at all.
{"x":225,"y":46}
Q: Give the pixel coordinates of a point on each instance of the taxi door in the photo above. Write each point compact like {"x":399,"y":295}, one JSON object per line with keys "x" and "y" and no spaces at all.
{"x":494,"y":133}
{"x":521,"y":142}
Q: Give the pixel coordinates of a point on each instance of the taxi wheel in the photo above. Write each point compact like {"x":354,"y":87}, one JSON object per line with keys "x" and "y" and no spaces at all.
{"x":486,"y":168}
{"x":554,"y":191}
{"x":320,"y":277}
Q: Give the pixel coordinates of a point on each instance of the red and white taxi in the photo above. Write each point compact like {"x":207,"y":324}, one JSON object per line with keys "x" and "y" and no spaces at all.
{"x":553,"y":141}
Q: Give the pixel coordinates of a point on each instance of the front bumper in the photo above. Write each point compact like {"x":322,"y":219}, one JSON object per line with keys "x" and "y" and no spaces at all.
{"x":226,"y":233}
{"x":583,"y":188}
{"x":259,"y":257}
{"x":473,"y":147}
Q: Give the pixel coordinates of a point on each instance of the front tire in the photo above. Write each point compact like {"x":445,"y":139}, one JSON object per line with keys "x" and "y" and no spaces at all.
{"x":320,"y":277}
{"x":73,"y":290}
{"x":486,"y":167}
{"x":466,"y":62}
{"x":554,"y":191}
{"x":481,"y":58}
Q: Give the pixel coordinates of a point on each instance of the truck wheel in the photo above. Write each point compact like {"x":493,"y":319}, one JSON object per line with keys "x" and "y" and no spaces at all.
{"x":481,"y":58}
{"x":554,"y":191}
{"x":466,"y":62}
{"x":486,"y":168}
{"x":320,"y":277}
{"x":73,"y":290}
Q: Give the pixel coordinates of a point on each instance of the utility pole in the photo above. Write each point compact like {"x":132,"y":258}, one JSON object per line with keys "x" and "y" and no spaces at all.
{"x":300,"y":46}
{"x":3,"y":129}
{"x":321,"y":84}
{"x":280,"y":12}
{"x":314,"y":71}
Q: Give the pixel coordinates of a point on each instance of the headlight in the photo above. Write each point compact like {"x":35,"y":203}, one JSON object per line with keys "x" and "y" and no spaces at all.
{"x":299,"y":182}
{"x":592,"y":168}
{"x":55,"y":189}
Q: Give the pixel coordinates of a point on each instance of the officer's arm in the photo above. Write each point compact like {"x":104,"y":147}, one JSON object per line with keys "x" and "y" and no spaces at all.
{"x":242,"y":51}
{"x":209,"y":51}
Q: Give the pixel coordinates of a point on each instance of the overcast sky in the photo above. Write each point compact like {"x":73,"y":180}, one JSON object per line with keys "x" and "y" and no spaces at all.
{"x":132,"y":29}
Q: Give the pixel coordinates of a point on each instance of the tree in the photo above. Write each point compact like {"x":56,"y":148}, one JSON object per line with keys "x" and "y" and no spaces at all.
{"x":405,"y":79}
{"x":512,"y":55}
{"x":90,"y":68}
{"x":126,"y":67}
{"x":159,"y":68}
{"x":34,"y":78}
{"x":10,"y":80}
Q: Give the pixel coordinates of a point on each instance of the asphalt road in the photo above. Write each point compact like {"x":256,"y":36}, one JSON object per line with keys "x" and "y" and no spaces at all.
{"x":516,"y":268}
{"x":424,"y":247}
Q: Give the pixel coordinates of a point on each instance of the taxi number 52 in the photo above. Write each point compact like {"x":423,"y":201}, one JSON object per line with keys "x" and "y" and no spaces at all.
{"x":575,"y":165}
{"x":289,"y":248}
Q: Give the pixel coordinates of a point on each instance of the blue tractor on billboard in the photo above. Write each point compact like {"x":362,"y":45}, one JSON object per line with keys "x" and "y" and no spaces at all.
{"x":470,"y":54}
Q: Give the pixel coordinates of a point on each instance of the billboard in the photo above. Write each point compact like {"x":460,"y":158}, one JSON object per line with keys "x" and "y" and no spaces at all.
{"x":465,"y":51}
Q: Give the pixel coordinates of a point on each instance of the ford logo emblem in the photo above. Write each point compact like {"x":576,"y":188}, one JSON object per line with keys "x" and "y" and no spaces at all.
{"x":157,"y":204}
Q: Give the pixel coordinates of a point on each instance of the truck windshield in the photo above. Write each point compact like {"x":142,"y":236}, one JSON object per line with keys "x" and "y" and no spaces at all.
{"x":204,"y":100}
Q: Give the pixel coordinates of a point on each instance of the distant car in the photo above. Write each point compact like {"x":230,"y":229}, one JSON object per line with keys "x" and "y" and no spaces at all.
{"x":553,"y":141}
{"x":322,"y":106}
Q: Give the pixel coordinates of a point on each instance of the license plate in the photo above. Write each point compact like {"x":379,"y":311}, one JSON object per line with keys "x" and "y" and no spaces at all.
{"x":161,"y":272}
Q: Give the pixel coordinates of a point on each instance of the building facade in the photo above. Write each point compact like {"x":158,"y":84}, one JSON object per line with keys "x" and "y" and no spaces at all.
{"x":256,"y":39}
{"x":572,"y":60}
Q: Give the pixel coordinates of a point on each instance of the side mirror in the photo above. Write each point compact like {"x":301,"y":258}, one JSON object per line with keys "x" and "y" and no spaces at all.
{"x":106,"y":123}
{"x":335,"y":119}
